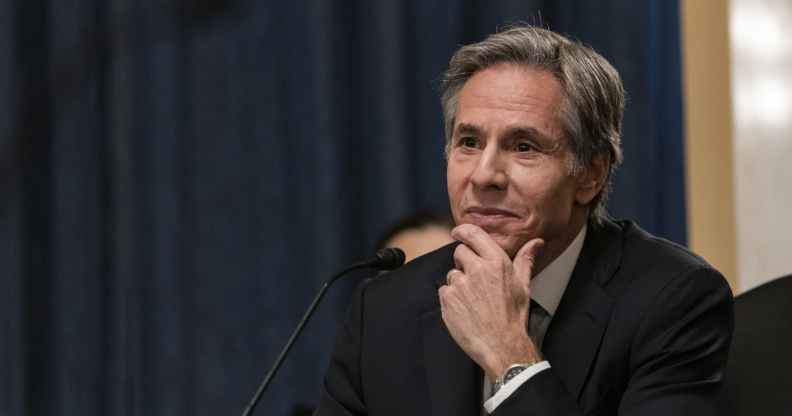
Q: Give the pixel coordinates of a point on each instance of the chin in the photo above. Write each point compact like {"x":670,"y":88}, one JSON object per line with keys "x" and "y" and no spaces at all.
{"x":507,"y":243}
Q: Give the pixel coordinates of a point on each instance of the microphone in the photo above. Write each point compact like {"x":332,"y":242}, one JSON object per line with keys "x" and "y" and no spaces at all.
{"x":386,"y":259}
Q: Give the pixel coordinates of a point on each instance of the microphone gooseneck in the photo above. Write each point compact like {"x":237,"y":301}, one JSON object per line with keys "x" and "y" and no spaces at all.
{"x":386,"y":259}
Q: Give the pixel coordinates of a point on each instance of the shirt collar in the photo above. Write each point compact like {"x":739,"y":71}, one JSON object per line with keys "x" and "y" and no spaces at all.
{"x":548,"y":286}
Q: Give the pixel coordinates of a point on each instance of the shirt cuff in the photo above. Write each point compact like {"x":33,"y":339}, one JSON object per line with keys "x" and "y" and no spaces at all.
{"x":507,"y":389}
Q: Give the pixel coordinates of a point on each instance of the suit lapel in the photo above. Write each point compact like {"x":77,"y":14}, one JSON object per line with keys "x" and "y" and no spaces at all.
{"x":574,"y":336}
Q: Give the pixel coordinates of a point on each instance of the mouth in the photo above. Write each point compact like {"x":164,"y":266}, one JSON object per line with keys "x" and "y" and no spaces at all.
{"x":489,"y":216}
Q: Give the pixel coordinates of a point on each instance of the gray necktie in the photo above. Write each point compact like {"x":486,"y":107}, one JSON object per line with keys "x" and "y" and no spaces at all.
{"x":538,"y":321}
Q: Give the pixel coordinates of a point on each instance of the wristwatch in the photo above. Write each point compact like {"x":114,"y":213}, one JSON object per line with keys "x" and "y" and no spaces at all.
{"x":509,"y":374}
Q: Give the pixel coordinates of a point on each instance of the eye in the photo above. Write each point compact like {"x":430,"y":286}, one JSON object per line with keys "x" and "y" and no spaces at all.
{"x":468,"y":141}
{"x":524,"y":147}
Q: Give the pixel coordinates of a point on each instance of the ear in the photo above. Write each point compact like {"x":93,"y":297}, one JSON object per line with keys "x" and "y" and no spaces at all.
{"x":591,"y":179}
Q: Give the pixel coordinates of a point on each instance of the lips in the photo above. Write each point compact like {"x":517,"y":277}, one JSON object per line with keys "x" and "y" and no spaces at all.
{"x":489,"y":212}
{"x":488,"y":217}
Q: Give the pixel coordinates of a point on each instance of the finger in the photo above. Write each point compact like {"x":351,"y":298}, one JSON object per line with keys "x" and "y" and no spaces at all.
{"x":450,"y":276}
{"x":449,"y":298}
{"x":442,"y":294}
{"x":525,"y":260}
{"x":465,"y":258}
{"x":478,"y":240}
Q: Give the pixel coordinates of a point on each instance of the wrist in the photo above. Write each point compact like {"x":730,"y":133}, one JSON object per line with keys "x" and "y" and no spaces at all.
{"x":511,"y":372}
{"x":523,"y":353}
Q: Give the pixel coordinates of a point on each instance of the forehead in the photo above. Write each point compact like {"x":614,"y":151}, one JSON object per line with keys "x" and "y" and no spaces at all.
{"x":511,"y":96}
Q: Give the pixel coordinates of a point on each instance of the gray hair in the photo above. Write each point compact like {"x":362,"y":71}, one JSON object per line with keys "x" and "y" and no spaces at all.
{"x":593,"y":94}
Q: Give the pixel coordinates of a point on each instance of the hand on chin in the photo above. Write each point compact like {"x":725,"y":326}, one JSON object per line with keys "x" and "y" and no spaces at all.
{"x":506,"y":241}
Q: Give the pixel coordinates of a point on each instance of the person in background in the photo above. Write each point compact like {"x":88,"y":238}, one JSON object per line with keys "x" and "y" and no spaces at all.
{"x":418,"y":234}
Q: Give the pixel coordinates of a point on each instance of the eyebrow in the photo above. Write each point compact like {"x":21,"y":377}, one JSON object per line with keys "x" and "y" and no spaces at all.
{"x":528,"y":132}
{"x":467,"y":128}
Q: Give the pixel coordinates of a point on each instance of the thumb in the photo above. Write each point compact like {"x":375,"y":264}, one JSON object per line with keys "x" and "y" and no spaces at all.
{"x":525,"y":260}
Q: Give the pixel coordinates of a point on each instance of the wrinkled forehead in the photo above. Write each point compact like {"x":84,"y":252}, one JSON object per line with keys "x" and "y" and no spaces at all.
{"x":508,"y":97}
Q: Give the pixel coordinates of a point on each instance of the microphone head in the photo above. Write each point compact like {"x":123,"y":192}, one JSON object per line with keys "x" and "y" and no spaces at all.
{"x":389,"y":258}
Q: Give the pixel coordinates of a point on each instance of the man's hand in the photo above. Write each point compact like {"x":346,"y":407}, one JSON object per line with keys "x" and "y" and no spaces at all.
{"x":485,"y":303}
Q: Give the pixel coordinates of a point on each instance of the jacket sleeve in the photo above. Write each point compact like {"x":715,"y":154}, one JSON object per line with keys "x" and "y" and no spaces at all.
{"x":341,"y":390}
{"x":676,"y":361}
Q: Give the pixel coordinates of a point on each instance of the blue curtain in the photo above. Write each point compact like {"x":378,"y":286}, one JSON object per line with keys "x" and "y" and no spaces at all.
{"x":178,"y":178}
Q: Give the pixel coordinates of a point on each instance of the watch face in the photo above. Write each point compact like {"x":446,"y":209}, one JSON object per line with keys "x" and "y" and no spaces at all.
{"x":510,"y":374}
{"x":513,"y":373}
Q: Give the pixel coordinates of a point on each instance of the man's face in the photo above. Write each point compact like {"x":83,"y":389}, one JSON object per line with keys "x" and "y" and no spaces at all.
{"x":508,"y":161}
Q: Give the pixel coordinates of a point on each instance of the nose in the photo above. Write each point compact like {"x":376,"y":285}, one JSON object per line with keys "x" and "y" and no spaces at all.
{"x":490,"y":170}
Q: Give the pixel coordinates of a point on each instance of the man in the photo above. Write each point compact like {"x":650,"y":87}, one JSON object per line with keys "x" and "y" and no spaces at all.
{"x":545,"y":307}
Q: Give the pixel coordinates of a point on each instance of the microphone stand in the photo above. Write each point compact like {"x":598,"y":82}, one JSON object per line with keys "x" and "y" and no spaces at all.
{"x":381,"y":261}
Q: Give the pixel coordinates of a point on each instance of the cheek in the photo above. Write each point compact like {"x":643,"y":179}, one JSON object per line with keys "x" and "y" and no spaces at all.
{"x":455,"y":180}
{"x":545,"y":190}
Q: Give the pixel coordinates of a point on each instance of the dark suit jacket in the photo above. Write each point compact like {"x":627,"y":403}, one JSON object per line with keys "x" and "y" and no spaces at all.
{"x":643,"y":329}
